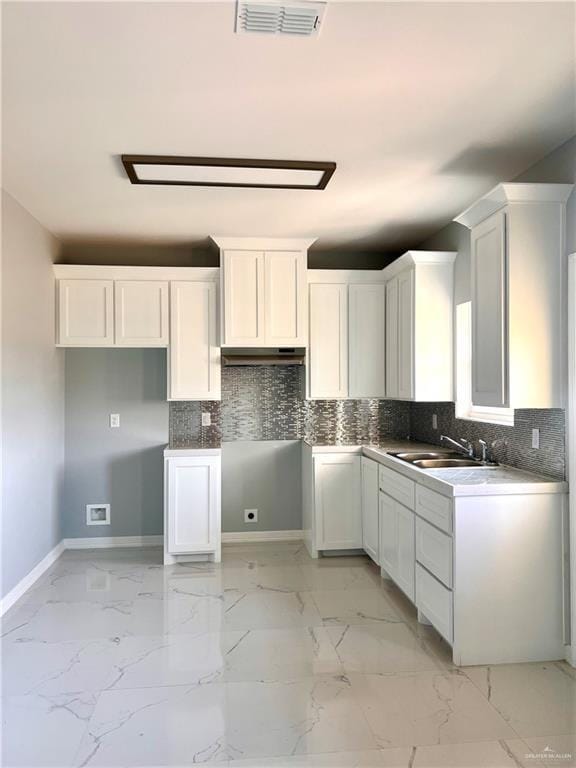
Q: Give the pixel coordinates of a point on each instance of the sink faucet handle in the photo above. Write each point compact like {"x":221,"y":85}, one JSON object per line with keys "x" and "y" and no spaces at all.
{"x":468,"y":445}
{"x":484,"y":448}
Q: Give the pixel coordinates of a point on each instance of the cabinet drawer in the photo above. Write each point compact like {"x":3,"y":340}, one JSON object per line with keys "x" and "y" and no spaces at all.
{"x":434,"y":551}
{"x":435,"y":602}
{"x":397,"y":486}
{"x":435,"y":508}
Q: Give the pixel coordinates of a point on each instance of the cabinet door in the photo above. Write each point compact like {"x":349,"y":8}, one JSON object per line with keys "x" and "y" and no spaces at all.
{"x":85,"y":313}
{"x":392,"y":338}
{"x":406,"y":550}
{"x":193,"y":497}
{"x":370,"y":524}
{"x":337,"y":501}
{"x":328,"y":349}
{"x":366,"y":341}
{"x":388,"y":534}
{"x":406,"y":335}
{"x":285,"y":298}
{"x":141,"y":313}
{"x":194,"y":355}
{"x":489,"y":347}
{"x":243,"y":304}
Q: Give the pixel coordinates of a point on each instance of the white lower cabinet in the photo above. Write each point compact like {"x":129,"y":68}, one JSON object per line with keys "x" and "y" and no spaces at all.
{"x":192,"y":505}
{"x":370,"y":521}
{"x":397,"y":546}
{"x":337,"y":513}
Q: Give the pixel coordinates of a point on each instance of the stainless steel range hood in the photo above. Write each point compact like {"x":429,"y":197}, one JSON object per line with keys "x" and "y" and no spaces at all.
{"x":272,"y":356}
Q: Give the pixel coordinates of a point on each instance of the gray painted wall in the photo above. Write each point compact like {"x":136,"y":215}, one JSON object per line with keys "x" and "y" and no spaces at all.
{"x":266,"y":475}
{"x":122,"y":467}
{"x":559,"y":167}
{"x":32,"y":396}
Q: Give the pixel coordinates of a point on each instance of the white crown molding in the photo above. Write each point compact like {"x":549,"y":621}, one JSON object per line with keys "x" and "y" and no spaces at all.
{"x":263,"y":243}
{"x":513,"y":192}
{"x":101,"y":272}
{"x":345,"y":276}
{"x":412,"y":258}
{"x":28,"y":581}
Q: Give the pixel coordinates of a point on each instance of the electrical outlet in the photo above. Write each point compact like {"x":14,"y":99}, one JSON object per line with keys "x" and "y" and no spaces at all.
{"x":535,"y":438}
{"x":206,"y":419}
{"x":250,"y":515}
{"x":434,"y":421}
{"x":114,"y":420}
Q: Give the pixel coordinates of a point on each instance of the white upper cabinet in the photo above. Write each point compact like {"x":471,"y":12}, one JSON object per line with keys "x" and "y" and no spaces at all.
{"x":328,"y":349}
{"x":285,"y":311}
{"x":141,"y":313}
{"x":366,"y":340}
{"x":264,"y":292}
{"x":419,"y":326}
{"x":488,"y":278}
{"x":243,"y":298}
{"x":518,"y":295}
{"x":392,"y":338}
{"x":194,"y":355}
{"x":86,"y":313}
{"x":346,"y":349}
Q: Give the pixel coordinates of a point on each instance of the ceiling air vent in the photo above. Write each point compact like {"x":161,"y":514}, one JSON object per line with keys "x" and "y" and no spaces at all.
{"x":303,"y":18}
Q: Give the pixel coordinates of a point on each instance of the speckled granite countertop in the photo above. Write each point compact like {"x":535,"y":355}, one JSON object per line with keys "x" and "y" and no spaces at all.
{"x":192,"y":449}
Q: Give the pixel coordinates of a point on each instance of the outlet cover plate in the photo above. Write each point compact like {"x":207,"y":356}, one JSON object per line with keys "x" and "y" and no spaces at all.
{"x":250,"y":515}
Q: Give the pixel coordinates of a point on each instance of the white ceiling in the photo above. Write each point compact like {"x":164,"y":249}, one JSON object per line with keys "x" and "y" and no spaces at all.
{"x":423,"y":106}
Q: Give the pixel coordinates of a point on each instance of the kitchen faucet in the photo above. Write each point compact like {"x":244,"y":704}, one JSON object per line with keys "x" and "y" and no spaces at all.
{"x":463,"y":445}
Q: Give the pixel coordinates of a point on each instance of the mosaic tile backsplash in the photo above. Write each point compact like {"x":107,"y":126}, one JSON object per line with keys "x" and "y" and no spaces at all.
{"x":267,"y":403}
{"x":512,"y":444}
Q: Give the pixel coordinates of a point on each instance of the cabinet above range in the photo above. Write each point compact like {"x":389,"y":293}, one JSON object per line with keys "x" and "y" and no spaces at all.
{"x":263,"y":291}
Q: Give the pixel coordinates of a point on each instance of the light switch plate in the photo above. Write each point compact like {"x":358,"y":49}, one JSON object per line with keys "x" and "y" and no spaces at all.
{"x":434,"y":421}
{"x":114,"y":420}
{"x":206,"y":419}
{"x":535,"y":438}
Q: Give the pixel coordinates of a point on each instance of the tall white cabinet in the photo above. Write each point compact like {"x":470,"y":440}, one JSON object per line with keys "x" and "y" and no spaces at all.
{"x":518,"y":295}
{"x":419,"y":326}
{"x":346,"y":351}
{"x":263,"y":292}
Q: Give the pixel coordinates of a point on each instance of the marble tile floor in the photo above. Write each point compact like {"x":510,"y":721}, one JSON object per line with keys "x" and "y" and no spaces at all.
{"x":266,"y":660}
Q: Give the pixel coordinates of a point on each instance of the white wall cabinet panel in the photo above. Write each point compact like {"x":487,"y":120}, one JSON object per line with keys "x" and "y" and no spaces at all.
{"x":328,"y":351}
{"x":86,"y":313}
{"x":337,"y":501}
{"x":406,"y":335}
{"x":194,"y":355}
{"x":518,"y":295}
{"x":370,"y":513}
{"x":193,"y":505}
{"x":141,"y":313}
{"x":366,"y":340}
{"x":392,"y":338}
{"x":285,"y":299}
{"x":419,"y":326}
{"x":489,"y":349}
{"x":243,"y":298}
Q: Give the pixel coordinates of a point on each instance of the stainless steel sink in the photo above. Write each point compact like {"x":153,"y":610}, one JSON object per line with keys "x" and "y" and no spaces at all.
{"x":446,"y":463}
{"x":412,"y":456}
{"x":439,"y":459}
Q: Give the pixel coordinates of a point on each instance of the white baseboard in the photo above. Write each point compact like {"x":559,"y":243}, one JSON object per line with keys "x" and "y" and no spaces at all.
{"x":111,"y":542}
{"x":24,"y":584}
{"x":251,"y":537}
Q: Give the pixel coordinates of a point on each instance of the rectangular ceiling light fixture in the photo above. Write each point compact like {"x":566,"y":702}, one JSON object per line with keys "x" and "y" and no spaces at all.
{"x":227,"y":172}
